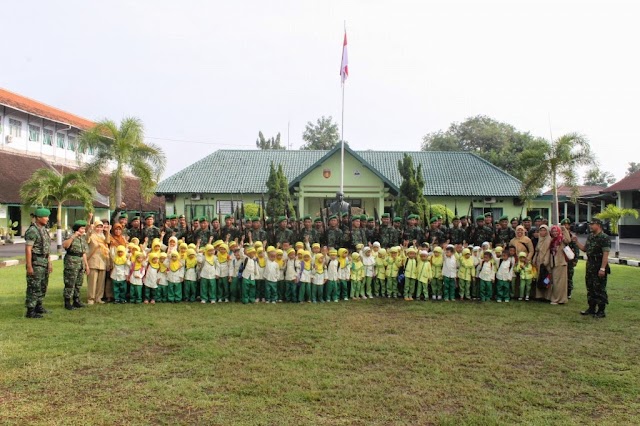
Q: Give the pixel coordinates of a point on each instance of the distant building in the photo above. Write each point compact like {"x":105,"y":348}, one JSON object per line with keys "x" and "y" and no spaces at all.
{"x":34,"y":135}
{"x":372,"y":180}
{"x":627,"y":196}
{"x":590,"y":201}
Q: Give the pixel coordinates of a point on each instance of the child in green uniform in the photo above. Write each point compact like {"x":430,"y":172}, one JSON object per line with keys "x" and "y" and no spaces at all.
{"x":410,"y":274}
{"x":344,"y":272}
{"x":175,"y":277}
{"x":487,"y":275}
{"x":161,"y":291}
{"x":466,"y":274}
{"x":332,"y":276}
{"x":136,"y":275}
{"x":437,"y":261}
{"x":357,"y":276}
{"x":525,"y":270}
{"x":291,"y":276}
{"x":304,"y":277}
{"x":119,"y":275}
{"x":208,"y":273}
{"x":379,"y":289}
{"x":393,"y":267}
{"x":319,"y":278}
{"x":424,"y":276}
{"x":369,"y":263}
{"x":190,"y":275}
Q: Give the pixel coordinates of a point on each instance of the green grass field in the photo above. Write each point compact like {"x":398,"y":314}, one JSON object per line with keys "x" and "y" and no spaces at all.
{"x":368,"y":362}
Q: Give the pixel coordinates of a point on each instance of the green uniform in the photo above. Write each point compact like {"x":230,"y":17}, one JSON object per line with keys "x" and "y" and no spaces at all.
{"x":413,"y":233}
{"x":334,"y":238}
{"x":74,"y":268}
{"x":229,"y":230}
{"x":38,"y":238}
{"x":283,"y":235}
{"x":571,"y":264}
{"x":480,"y":234}
{"x":457,"y":235}
{"x":313,"y":234}
{"x":150,"y":233}
{"x":358,"y":236}
{"x":504,"y":236}
{"x":135,"y":233}
{"x":436,"y":236}
{"x":371,"y":234}
{"x":258,"y":235}
{"x":595,"y":247}
{"x":201,"y":237}
{"x":390,"y":236}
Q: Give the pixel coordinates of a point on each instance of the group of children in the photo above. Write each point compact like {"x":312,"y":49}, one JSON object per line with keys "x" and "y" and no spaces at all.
{"x":252,"y":273}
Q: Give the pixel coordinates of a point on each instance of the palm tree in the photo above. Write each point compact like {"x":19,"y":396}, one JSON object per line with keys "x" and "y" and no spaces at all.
{"x":125,"y":149}
{"x":47,"y":187}
{"x":557,"y":159}
{"x":614,"y":214}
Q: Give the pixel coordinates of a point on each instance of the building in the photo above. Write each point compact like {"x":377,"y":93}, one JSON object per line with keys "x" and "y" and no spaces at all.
{"x":590,"y":201}
{"x":372,"y":180}
{"x":626,"y":193}
{"x":34,"y":135}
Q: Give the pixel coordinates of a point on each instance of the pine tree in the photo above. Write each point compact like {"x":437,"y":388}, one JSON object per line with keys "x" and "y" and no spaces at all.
{"x":411,"y":197}
{"x":278,"y":193}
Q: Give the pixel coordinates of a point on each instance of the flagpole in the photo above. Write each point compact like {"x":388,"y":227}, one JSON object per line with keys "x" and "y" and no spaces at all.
{"x":342,"y":124}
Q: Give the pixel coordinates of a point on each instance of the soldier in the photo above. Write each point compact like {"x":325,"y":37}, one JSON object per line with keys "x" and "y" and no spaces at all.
{"x":203,"y":236}
{"x":480,"y":233}
{"x":38,"y":244}
{"x":169,"y":230}
{"x":229,"y":229}
{"x":174,"y":222}
{"x":413,"y":231}
{"x":436,"y":236}
{"x":388,"y":234}
{"x":123,"y":219}
{"x":150,"y":231}
{"x":504,"y":233}
{"x":371,"y":231}
{"x":75,"y":265}
{"x":514,"y":223}
{"x":319,"y":228}
{"x":283,"y":234}
{"x":134,"y":230}
{"x":357,"y":234}
{"x":571,"y":264}
{"x":464,"y":223}
{"x":257,"y":233}
{"x":182,"y":229}
{"x":457,"y":234}
{"x":334,"y":234}
{"x":597,"y":248}
{"x":488,"y":220}
{"x":308,"y":233}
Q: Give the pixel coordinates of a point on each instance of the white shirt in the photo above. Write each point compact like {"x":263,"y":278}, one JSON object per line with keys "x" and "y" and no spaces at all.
{"x":151,"y":277}
{"x":251,"y":269}
{"x":120,"y":272}
{"x":487,"y":271}
{"x":291,"y":269}
{"x":271,"y":271}
{"x":332,"y":270}
{"x":505,"y":270}
{"x":208,"y":271}
{"x":450,"y":267}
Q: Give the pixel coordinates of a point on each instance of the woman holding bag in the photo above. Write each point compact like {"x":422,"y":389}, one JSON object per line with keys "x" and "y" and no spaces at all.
{"x":97,"y":258}
{"x":541,"y":291}
{"x":560,"y":238}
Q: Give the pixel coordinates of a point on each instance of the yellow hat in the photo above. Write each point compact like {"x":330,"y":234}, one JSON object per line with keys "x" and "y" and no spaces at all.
{"x":355,"y":255}
{"x":163,"y":255}
{"x":259,"y":249}
{"x":216,"y":243}
{"x":315,"y":245}
{"x":270,"y":249}
{"x":393,"y":250}
{"x":522,"y":254}
{"x":153,"y":256}
{"x":192,"y":246}
{"x":411,"y":250}
{"x":279,"y":252}
{"x":191,"y":252}
{"x":156,"y":242}
{"x":250,"y":250}
{"x":382,"y":252}
{"x":257,"y":244}
{"x":223,"y":246}
{"x":175,"y":254}
{"x":498,"y":249}
{"x":359,"y":246}
{"x":184,"y":246}
{"x":438,"y":249}
{"x":290,"y":250}
{"x":208,"y":247}
{"x":121,"y":249}
{"x":466,"y":251}
{"x":333,"y":252}
{"x":299,"y":245}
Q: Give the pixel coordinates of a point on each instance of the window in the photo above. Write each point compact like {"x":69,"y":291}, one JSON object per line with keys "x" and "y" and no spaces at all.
{"x":635,"y":200}
{"x":60,"y":140}
{"x":15,"y":128}
{"x":47,"y":137}
{"x":71,"y":145}
{"x":224,"y":207}
{"x":34,"y":133}
{"x":496,"y":212}
{"x":196,"y":211}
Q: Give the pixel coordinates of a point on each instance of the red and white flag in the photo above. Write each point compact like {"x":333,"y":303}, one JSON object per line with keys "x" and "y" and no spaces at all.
{"x":344,"y":66}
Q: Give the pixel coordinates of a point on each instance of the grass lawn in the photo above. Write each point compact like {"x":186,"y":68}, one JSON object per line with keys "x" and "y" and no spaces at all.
{"x":368,"y":362}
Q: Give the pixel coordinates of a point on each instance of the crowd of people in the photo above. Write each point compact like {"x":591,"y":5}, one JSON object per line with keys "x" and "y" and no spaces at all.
{"x":316,"y":260}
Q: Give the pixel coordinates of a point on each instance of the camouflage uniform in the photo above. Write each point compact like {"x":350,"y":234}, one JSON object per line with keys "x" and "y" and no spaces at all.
{"x":358,"y":236}
{"x":229,"y":230}
{"x":283,"y":235}
{"x":436,"y":236}
{"x":390,"y":237}
{"x":413,"y":233}
{"x":371,"y":234}
{"x":258,"y":235}
{"x":74,"y":268}
{"x":314,"y":235}
{"x":480,"y":234}
{"x":150,"y":233}
{"x":595,"y":247}
{"x":38,"y":238}
{"x":571,"y":264}
{"x":334,"y":238}
{"x":135,"y":233}
{"x":504,"y":236}
{"x":457,"y":235}
{"x":201,"y":237}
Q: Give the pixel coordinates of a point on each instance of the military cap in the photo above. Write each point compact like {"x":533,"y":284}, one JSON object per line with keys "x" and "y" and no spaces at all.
{"x":595,"y":220}
{"x":356,"y":217}
{"x":371,"y":219}
{"x":79,"y":223}
{"x":386,"y":215}
{"x":439,"y":217}
{"x":479,"y":218}
{"x":515,"y":219}
{"x":433,"y":220}
{"x":202,"y":219}
{"x":124,"y":215}
{"x":317,"y":219}
{"x":135,"y":218}
{"x":42,"y":212}
{"x":397,"y":219}
{"x":412,"y":216}
{"x":307,"y":217}
{"x":456,"y":218}
{"x":333,"y":216}
{"x":281,"y":218}
{"x":488,"y":214}
{"x":538,"y":218}
{"x":504,"y":217}
{"x":171,"y":216}
{"x":213,"y":219}
{"x":565,"y":220}
{"x":182,"y":216}
{"x":148,"y":215}
{"x":248,"y":218}
{"x":363,"y":217}
{"x":526,"y":219}
{"x":227,"y":216}
{"x":293,"y":218}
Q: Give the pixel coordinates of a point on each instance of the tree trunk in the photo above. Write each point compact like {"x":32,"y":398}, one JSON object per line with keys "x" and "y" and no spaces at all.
{"x":555,"y":207}
{"x":59,"y":231}
{"x":118,"y":191}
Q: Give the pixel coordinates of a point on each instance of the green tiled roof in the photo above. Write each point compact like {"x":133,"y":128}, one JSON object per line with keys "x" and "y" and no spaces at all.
{"x":246,"y":171}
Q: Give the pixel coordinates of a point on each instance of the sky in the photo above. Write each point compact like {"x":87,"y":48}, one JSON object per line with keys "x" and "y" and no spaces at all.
{"x":208,"y":75}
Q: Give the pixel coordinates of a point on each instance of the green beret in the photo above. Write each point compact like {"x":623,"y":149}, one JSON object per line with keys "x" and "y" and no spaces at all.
{"x":281,"y":218}
{"x":149,"y":215}
{"x":515,"y":219}
{"x":456,"y":218}
{"x":488,"y":214}
{"x":504,"y":217}
{"x":363,"y":217}
{"x":42,"y":212}
{"x":171,"y":216}
{"x":293,"y":218}
{"x":227,"y":216}
{"x":213,"y":219}
{"x":433,"y":220}
{"x":333,"y":216}
{"x":356,"y":217}
{"x":566,"y":220}
{"x":478,"y":218}
{"x":203,"y":219}
{"x":595,"y":220}
{"x":317,"y":219}
{"x":80,"y":223}
{"x":370,"y":219}
{"x":124,"y":215}
{"x":306,"y":217}
{"x":397,"y":219}
{"x":538,"y":218}
{"x":526,"y":219}
{"x":439,"y":217}
{"x":462,"y":217}
{"x":135,"y":218}
{"x":248,"y":219}
{"x":182,"y":216}
{"x":386,"y":215}
{"x":255,"y":219}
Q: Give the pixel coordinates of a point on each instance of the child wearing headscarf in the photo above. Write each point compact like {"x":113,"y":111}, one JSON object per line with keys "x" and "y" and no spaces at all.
{"x":332,"y":276}
{"x":379,"y":289}
{"x":208,"y":273}
{"x":369,"y":263}
{"x":161,"y":291}
{"x":344,"y":272}
{"x":357,"y":276}
{"x":151,"y":278}
{"x":175,"y":277}
{"x":437,"y":262}
{"x":119,"y":274}
{"x":291,"y":270}
{"x":394,"y":261}
{"x":190,"y":275}
{"x":222,"y":277}
{"x":319,"y":278}
{"x":271,"y":276}
{"x":410,"y":273}
{"x":136,"y":274}
{"x":304,"y":277}
{"x":525,"y":270}
{"x":424,"y":276}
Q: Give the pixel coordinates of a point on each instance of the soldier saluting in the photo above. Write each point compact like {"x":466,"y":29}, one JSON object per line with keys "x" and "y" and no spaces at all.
{"x":36,"y":250}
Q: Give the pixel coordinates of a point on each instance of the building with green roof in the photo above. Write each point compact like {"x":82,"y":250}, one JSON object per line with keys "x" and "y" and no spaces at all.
{"x":371,"y":180}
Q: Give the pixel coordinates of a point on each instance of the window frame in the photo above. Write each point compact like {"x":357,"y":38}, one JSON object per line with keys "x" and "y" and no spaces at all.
{"x":44,"y":137}
{"x":13,"y":126}
{"x":31,"y":128}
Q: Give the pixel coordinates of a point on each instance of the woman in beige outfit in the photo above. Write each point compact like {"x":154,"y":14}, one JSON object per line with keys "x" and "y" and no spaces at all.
{"x":97,"y":257}
{"x":560,"y":238}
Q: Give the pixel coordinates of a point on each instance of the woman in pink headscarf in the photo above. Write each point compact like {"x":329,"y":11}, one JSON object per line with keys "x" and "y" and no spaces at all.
{"x":560,"y":237}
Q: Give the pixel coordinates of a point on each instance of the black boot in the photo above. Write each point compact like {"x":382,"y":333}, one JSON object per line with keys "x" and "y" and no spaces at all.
{"x":600,"y":313}
{"x":31,"y":313}
{"x":590,"y":311}
{"x":68,"y":305}
{"x":41,"y":310}
{"x":77,"y":303}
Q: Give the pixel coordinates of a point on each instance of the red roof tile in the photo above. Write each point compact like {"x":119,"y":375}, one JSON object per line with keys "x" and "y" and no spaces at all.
{"x":39,"y":109}
{"x":17,"y":168}
{"x":629,"y":183}
{"x":583,"y":190}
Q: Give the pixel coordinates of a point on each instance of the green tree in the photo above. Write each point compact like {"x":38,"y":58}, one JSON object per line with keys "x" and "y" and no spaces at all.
{"x":251,"y":209}
{"x":596,"y":177}
{"x":47,"y":187}
{"x":411,"y":198}
{"x":278,"y":192}
{"x":271,"y":143}
{"x":614,"y":214}
{"x":633,"y":167}
{"x":124,"y":147}
{"x":557,"y":159}
{"x":323,"y":135}
{"x":499,"y":143}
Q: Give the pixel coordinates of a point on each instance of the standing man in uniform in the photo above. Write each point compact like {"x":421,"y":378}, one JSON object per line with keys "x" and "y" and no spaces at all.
{"x":283,"y":234}
{"x":36,"y":250}
{"x":308,"y":233}
{"x":504,"y":233}
{"x":257,"y":233}
{"x":150,"y":231}
{"x":597,"y":248}
{"x":76,"y":265}
{"x":228,"y":228}
{"x":334,"y":233}
{"x":358,"y":234}
{"x":571,"y":264}
{"x":134,"y":230}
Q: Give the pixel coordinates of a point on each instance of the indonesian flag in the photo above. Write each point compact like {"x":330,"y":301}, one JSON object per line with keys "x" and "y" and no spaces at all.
{"x":344,"y":66}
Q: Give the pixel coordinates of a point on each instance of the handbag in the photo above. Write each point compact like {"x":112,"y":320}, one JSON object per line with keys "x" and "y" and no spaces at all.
{"x":544,"y":278}
{"x":568,"y":253}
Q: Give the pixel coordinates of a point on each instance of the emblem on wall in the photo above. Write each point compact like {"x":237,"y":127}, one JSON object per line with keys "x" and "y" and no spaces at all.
{"x":326,"y":173}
